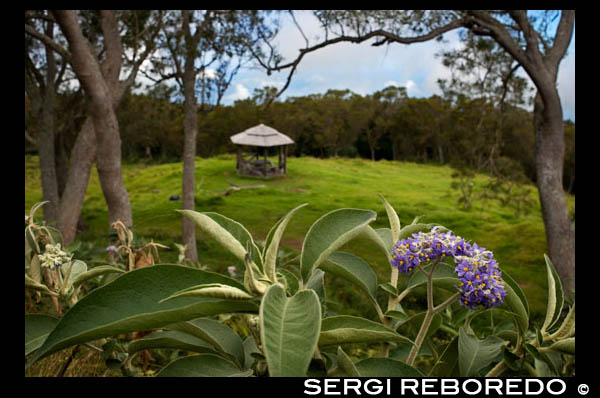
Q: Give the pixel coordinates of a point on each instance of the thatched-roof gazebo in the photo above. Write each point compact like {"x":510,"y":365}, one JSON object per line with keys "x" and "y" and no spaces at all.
{"x":265,"y":137}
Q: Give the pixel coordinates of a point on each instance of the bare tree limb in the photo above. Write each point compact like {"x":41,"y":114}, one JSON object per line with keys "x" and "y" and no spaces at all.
{"x":48,"y":41}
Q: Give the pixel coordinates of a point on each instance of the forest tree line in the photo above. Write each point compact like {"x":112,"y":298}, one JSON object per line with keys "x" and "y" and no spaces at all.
{"x":388,"y":125}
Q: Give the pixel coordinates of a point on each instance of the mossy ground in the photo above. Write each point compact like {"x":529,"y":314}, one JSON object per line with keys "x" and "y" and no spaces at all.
{"x":326,"y":184}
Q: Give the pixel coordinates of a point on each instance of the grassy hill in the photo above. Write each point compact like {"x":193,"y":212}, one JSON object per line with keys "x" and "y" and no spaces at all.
{"x":326,"y":184}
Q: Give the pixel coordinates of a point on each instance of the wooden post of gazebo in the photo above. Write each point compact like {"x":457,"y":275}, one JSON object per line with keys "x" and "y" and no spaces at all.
{"x":261,"y":136}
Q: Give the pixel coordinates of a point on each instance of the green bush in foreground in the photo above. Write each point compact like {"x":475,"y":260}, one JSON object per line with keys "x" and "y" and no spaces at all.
{"x":285,"y":328}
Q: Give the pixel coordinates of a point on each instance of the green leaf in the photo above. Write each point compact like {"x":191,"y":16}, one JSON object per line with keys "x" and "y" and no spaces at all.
{"x":390,"y":289}
{"x":202,"y":365}
{"x":386,"y":236}
{"x":228,"y":233}
{"x":567,"y":328}
{"x":79,"y":277}
{"x":30,"y":283}
{"x":394,"y":220}
{"x":344,"y":329}
{"x":354,"y":269}
{"x":220,"y":336}
{"x":170,"y":339}
{"x":250,"y":349}
{"x":273,"y":245}
{"x":131,"y":303}
{"x":329,"y":233}
{"x":475,"y":354}
{"x":37,"y":329}
{"x":398,"y":315}
{"x":447,"y":364}
{"x":555,"y":296}
{"x":516,"y":300}
{"x":444,"y":276}
{"x":386,"y":367}
{"x":317,"y":283}
{"x":566,"y":346}
{"x":216,"y":290}
{"x":291,"y":281}
{"x":380,"y":238}
{"x":346,"y":364}
{"x":289,"y":330}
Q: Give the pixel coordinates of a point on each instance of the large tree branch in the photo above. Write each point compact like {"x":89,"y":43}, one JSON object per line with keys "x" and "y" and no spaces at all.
{"x":111,"y":67}
{"x":49,"y":42}
{"x":385,"y":36}
{"x":564,"y":34}
{"x":531,"y":37}
{"x":498,"y":32}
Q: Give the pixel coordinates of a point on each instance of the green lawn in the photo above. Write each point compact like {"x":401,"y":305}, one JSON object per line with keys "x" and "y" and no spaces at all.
{"x":326,"y":184}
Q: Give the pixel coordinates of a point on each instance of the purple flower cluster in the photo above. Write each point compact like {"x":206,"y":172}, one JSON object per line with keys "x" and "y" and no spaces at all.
{"x":480,"y":279}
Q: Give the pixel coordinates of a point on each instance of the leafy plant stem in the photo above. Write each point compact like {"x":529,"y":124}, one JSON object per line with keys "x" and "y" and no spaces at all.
{"x":428,"y":316}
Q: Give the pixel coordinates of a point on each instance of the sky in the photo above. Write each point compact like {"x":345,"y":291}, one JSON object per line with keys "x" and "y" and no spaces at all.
{"x":365,"y":69}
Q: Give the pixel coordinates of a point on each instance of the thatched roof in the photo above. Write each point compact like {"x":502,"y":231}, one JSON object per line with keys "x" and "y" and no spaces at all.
{"x":261,"y":135}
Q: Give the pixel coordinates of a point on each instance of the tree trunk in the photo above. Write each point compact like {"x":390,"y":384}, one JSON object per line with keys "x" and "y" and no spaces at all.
{"x":83,"y":155}
{"x":549,"y":161}
{"x":101,"y":110}
{"x":61,"y":162}
{"x":189,"y":155}
{"x":46,"y":139}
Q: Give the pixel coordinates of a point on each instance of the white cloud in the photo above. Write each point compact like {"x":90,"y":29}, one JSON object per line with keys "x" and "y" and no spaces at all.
{"x":240,"y":92}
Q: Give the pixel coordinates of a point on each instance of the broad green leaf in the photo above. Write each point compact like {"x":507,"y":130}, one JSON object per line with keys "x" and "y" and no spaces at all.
{"x":273,"y":245}
{"x":386,"y":236}
{"x":220,"y":336}
{"x":329,"y":233}
{"x":317,"y":283}
{"x":397,"y":315}
{"x":216,"y":290}
{"x":475,"y":354}
{"x":567,"y":328}
{"x":30,"y":283}
{"x":37,"y":329}
{"x":202,"y":365}
{"x":35,"y":269}
{"x":79,"y":277}
{"x":566,"y":346}
{"x":250,"y":349}
{"x":291,"y":281}
{"x":346,"y":364}
{"x":381,"y":239}
{"x":394,"y":220}
{"x":228,"y":233}
{"x":170,"y":339}
{"x":515,"y":299}
{"x":131,"y":303}
{"x":444,"y":276}
{"x":289,"y":330}
{"x":555,"y":296}
{"x":389,"y":288}
{"x":386,"y":367}
{"x":344,"y":329}
{"x":76,"y":269}
{"x":447,"y":364}
{"x":354,"y":269}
